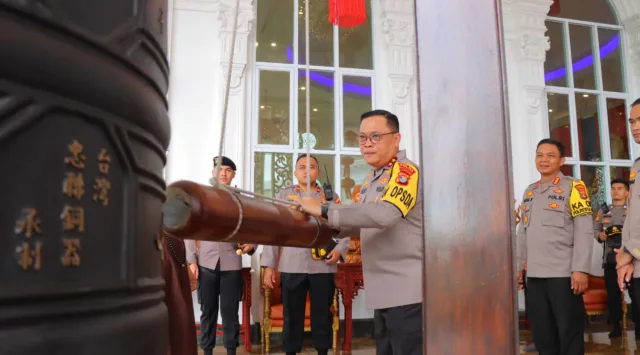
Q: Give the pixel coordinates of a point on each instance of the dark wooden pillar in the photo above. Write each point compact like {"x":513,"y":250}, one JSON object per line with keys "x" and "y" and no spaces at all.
{"x":470,"y":297}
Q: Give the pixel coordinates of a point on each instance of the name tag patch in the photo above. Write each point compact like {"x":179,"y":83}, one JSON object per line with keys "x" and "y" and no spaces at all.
{"x":556,"y":197}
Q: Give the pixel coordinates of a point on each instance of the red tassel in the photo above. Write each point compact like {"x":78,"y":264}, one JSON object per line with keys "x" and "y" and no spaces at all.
{"x":555,"y":8}
{"x":347,"y":13}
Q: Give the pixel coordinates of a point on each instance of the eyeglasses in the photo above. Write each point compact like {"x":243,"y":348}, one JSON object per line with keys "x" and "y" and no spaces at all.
{"x":374,"y":138}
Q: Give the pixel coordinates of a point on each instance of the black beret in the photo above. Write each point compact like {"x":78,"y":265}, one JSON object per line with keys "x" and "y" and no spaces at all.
{"x":225,"y":162}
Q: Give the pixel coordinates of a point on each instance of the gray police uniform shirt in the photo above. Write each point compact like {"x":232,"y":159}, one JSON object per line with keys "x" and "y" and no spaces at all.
{"x":300,"y":260}
{"x":388,"y":219}
{"x":210,"y":253}
{"x":556,"y":230}
{"x":615,"y":217}
{"x":631,"y":229}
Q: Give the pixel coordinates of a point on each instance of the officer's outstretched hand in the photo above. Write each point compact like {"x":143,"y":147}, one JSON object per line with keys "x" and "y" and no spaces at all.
{"x":579,"y":282}
{"x":311,"y":206}
{"x":269,"y":278}
{"x":333,"y":257}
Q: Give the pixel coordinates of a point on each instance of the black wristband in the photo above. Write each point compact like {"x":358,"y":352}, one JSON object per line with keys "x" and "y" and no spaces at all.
{"x":324,"y":211}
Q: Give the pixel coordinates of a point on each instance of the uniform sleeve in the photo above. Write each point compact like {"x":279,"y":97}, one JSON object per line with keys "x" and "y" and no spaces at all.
{"x":629,"y":243}
{"x":270,"y":256}
{"x":580,"y":209}
{"x":347,"y":232}
{"x":190,"y":249}
{"x":369,"y":215}
{"x":399,"y":198}
{"x":343,"y":246}
{"x":521,"y":242}
{"x":597,"y":226}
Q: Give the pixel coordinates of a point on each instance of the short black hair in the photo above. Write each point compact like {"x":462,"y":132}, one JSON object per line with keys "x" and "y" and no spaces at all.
{"x":304,"y":156}
{"x":392,"y":120}
{"x":635,"y":103}
{"x":620,"y":181}
{"x":555,"y":142}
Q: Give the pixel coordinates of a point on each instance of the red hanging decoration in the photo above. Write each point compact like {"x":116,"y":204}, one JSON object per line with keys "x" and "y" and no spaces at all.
{"x":554,"y":10}
{"x":347,"y":13}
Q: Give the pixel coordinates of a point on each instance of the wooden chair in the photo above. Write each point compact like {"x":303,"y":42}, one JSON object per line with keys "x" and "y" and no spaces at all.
{"x":595,"y":297}
{"x":273,"y":317}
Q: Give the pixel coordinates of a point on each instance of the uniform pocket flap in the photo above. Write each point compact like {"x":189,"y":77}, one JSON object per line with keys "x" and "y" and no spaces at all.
{"x":553,"y":215}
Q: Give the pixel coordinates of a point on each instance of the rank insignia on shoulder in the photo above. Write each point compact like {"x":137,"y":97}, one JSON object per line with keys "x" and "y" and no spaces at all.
{"x":530,"y":193}
{"x":554,"y":205}
{"x":556,"y":181}
{"x":558,"y":191}
{"x":632,"y":175}
{"x":526,"y":219}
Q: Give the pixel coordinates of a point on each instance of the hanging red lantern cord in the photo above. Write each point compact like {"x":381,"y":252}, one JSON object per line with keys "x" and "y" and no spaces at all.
{"x":347,"y":13}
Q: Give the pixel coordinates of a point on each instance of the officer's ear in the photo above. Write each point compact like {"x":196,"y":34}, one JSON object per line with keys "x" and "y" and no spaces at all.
{"x":562,"y":160}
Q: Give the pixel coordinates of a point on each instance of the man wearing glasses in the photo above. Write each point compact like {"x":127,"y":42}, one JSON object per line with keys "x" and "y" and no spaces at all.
{"x":388,"y":219}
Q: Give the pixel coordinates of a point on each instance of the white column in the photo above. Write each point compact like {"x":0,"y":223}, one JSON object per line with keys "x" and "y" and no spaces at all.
{"x":395,"y":76}
{"x":193,"y":87}
{"x":525,"y":51}
{"x":237,"y":115}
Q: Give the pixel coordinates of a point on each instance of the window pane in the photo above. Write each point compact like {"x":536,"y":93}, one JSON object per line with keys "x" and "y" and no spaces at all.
{"x":582,"y":57}
{"x":273,"y":120}
{"x":356,"y":50}
{"x":588,"y":127}
{"x":272,"y":172}
{"x":322,"y":111}
{"x":325,"y":164}
{"x":320,"y":33}
{"x":275,"y":31}
{"x":567,"y":170}
{"x":559,"y":122}
{"x":584,"y":10}
{"x":620,"y":172}
{"x":618,"y":137}
{"x":353,"y":171}
{"x":555,"y":66}
{"x":593,"y":178}
{"x":610,"y":60}
{"x":356,"y":100}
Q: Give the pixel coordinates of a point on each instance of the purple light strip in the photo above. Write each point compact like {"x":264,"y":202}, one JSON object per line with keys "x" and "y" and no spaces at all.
{"x":586,"y":61}
{"x":581,"y":64}
{"x":327,"y":81}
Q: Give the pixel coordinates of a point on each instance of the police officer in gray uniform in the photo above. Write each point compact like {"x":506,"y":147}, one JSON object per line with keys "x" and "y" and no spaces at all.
{"x":217,"y":266}
{"x":388,"y":219}
{"x":305,"y":270}
{"x":555,"y":240}
{"x":628,"y":257}
{"x":608,"y":231}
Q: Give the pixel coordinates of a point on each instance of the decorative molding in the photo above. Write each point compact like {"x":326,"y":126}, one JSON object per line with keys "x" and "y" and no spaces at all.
{"x":226,"y":13}
{"x":197,"y":5}
{"x":400,"y":84}
{"x":534,"y":95}
{"x":632,"y":29}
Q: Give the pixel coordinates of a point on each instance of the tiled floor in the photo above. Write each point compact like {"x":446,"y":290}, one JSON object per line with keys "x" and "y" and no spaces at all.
{"x":596,"y":341}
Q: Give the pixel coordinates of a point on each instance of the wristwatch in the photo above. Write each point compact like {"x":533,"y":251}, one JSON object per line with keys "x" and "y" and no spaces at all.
{"x":324,"y":210}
